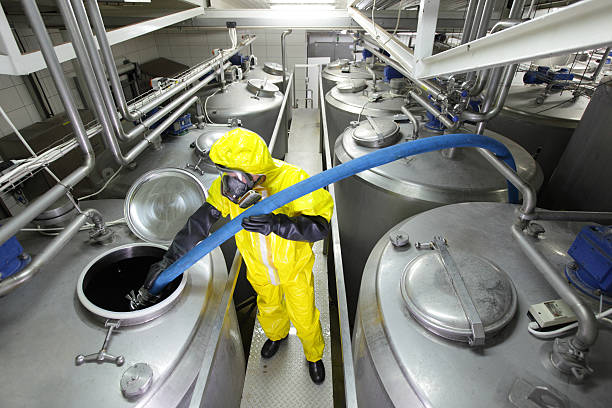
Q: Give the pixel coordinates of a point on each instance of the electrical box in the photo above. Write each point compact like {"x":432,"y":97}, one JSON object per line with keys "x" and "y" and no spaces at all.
{"x":552,"y":313}
{"x":592,"y":251}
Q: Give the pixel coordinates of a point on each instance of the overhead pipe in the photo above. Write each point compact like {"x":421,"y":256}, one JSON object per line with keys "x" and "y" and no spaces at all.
{"x":329,"y":176}
{"x":81,"y":17}
{"x":413,"y":120}
{"x":94,"y":90}
{"x":476,"y":20}
{"x":425,"y":85}
{"x":448,"y":123}
{"x":13,"y":225}
{"x":469,"y":21}
{"x":284,"y":62}
{"x":134,"y":113}
{"x":14,"y":281}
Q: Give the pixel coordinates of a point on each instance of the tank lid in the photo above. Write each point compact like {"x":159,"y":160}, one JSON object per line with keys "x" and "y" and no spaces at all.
{"x":273,"y":68}
{"x":376,"y":132}
{"x":352,"y":86}
{"x":261,"y":87}
{"x":435,"y":302}
{"x":211,"y":134}
{"x":339,"y":63}
{"x":159,"y":203}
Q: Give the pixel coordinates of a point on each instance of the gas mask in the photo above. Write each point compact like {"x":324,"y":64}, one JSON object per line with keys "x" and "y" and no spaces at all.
{"x":238,"y":186}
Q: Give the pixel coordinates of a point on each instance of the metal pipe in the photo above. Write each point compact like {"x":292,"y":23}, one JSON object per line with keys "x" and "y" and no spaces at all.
{"x":489,"y":112}
{"x":12,"y":282}
{"x":604,"y":218}
{"x":527,"y":209}
{"x":484,"y":20}
{"x":587,"y":324}
{"x":90,"y":74}
{"x":517,"y":9}
{"x":281,"y":115}
{"x":350,"y":389}
{"x":413,"y":120}
{"x":283,"y":55}
{"x":481,"y":81}
{"x":425,"y":85}
{"x":476,"y":21}
{"x":105,"y":49}
{"x":469,"y":20}
{"x":531,"y":8}
{"x":435,"y":112}
{"x":170,"y":120}
{"x":12,"y":226}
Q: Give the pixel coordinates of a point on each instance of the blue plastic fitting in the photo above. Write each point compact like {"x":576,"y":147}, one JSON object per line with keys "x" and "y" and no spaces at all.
{"x":374,"y":159}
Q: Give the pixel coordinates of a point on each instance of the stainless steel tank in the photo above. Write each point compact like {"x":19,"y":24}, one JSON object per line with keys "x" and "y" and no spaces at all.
{"x":355,"y":99}
{"x":63,"y":314}
{"x":254,"y":102}
{"x":403,"y":355}
{"x":272,"y":72}
{"x":542,"y":129}
{"x":406,"y":187}
{"x":175,"y":151}
{"x":343,"y":69}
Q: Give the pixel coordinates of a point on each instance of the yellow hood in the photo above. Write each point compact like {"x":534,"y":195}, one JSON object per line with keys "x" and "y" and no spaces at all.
{"x":243,"y":150}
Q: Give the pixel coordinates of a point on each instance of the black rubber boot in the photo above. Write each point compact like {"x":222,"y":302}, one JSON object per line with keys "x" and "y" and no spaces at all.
{"x":317,"y":371}
{"x":270,"y":347}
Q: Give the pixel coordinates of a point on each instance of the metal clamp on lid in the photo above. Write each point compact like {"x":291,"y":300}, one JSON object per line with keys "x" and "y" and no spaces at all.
{"x":467,"y":303}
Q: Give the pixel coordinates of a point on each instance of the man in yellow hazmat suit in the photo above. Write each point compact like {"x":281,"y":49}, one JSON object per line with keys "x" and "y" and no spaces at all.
{"x":276,"y":247}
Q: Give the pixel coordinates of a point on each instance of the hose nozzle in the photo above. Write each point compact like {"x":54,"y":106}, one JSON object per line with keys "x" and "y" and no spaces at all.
{"x":142,"y":299}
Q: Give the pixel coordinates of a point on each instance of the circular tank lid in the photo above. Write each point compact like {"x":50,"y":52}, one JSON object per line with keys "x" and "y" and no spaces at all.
{"x":273,"y":68}
{"x":159,"y":203}
{"x":339,"y":63}
{"x":376,"y":132}
{"x":261,"y":87}
{"x":352,"y":86}
{"x":433,"y":176}
{"x":211,"y":134}
{"x":431,"y":298}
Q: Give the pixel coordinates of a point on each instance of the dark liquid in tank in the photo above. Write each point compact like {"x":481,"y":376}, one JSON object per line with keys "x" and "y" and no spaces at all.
{"x":107,"y":283}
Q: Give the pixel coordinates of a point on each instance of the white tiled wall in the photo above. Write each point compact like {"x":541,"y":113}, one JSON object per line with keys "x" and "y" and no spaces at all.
{"x":187,"y":47}
{"x":192,"y":47}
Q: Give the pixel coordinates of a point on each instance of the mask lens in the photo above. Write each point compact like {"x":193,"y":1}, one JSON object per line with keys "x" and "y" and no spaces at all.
{"x":233,"y":188}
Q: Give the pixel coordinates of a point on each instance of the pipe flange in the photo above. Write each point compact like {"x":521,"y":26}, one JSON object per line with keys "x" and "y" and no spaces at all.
{"x":568,"y":359}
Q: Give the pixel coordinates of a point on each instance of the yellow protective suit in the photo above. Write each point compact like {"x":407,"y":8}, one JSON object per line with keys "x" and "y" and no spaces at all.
{"x":279,"y":270}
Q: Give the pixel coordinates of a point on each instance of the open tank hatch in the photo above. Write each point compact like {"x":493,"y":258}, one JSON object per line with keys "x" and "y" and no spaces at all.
{"x":107,"y":279}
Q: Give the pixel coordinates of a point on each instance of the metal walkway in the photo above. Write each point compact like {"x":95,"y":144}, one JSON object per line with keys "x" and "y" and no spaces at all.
{"x":283,"y":381}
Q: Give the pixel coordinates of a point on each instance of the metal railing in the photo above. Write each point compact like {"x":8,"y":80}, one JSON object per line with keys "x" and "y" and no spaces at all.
{"x":350,"y":391}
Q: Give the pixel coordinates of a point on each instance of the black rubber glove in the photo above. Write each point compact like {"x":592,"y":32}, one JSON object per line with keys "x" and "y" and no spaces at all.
{"x":196,"y":229}
{"x":306,"y":228}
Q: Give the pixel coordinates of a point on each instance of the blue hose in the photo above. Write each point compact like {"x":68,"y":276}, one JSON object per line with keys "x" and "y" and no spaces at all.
{"x":330,"y":176}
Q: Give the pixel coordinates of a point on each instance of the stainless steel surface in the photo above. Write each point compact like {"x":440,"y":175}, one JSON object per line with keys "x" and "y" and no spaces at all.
{"x":283,"y":58}
{"x":350,"y":394}
{"x":175,"y":151}
{"x":271,"y":72}
{"x":390,"y":193}
{"x":376,"y":132}
{"x":102,"y":356}
{"x":346,"y":107}
{"x":587,"y":324}
{"x":543,"y":130}
{"x":279,"y":145}
{"x":257,"y":111}
{"x":284,"y":381}
{"x":45,"y":323}
{"x":342,"y":69}
{"x":160,"y":202}
{"x":398,"y":363}
{"x":136,"y":380}
{"x":13,"y":225}
{"x":458,"y":296}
